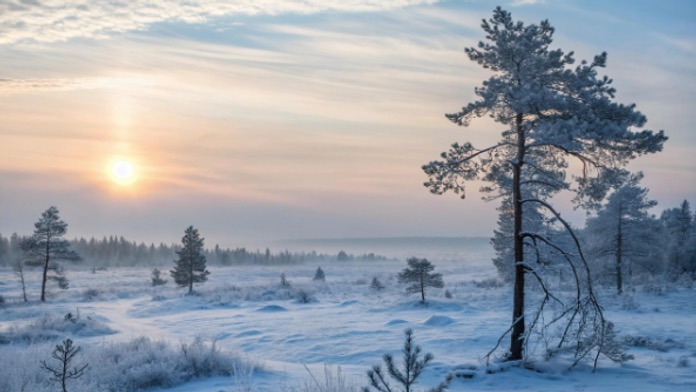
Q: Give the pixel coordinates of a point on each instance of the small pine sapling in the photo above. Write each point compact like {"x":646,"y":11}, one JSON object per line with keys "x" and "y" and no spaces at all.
{"x":64,"y":354}
{"x":407,"y":377}
{"x":319,"y":275}
{"x":19,"y":271}
{"x":284,"y":282}
{"x":157,"y":278}
{"x":419,"y":273}
{"x":376,"y":284}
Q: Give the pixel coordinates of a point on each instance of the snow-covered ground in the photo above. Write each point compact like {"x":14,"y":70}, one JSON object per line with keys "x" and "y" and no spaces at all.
{"x":346,"y":326}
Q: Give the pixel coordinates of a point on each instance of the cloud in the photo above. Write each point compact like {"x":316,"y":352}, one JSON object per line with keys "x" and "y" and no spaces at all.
{"x":58,"y":20}
{"x":16,"y":86}
{"x":520,"y":3}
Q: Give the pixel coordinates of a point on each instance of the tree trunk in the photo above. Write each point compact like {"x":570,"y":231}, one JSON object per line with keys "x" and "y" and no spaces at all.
{"x":190,"y":275}
{"x":517,"y":336}
{"x":422,"y":284}
{"x":45,"y":269}
{"x":619,"y":253}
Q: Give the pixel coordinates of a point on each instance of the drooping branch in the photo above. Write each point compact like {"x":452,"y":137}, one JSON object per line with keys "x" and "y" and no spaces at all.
{"x":591,"y":299}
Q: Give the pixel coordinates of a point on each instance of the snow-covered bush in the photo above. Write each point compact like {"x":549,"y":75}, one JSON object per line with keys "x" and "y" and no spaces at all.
{"x":91,"y":294}
{"x":55,"y":326}
{"x":662,"y":345}
{"x":304,"y":296}
{"x":134,"y":365}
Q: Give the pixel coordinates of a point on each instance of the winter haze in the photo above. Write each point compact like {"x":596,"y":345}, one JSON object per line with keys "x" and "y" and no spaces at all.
{"x":260,"y":121}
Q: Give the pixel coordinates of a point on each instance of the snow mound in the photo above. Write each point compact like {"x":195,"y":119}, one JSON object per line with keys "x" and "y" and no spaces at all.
{"x":438,"y":321}
{"x":252,"y":332}
{"x":272,"y":308}
{"x":395,"y":322}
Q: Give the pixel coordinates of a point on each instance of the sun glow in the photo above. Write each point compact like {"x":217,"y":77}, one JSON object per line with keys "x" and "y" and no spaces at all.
{"x":122,"y":173}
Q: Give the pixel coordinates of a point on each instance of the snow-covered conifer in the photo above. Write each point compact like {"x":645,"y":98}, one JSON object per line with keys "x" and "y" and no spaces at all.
{"x":419,"y":274}
{"x":46,"y":248}
{"x":624,"y":235}
{"x":191,"y":265}
{"x":680,"y":239}
{"x":552,"y":115}
{"x":319,"y":275}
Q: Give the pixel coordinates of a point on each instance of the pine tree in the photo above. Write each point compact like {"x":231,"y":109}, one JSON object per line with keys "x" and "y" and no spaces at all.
{"x":412,"y":369}
{"x":680,"y":239}
{"x":624,"y":232}
{"x":190,"y":266}
{"x":319,"y":275}
{"x":61,"y":373}
{"x":46,"y":248}
{"x":419,"y":273}
{"x":551,"y":114}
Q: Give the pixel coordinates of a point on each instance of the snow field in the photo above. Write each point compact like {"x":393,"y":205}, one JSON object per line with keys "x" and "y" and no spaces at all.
{"x":346,"y":327}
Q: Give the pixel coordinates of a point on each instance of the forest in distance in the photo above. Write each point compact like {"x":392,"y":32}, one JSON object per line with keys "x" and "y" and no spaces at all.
{"x":652,"y":245}
{"x":116,"y":251}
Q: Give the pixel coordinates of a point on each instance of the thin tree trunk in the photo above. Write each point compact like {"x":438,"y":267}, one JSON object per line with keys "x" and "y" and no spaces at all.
{"x":619,"y":253}
{"x":45,"y":269}
{"x":190,"y":275}
{"x":24,"y":285}
{"x":517,"y":336}
{"x":422,"y":284}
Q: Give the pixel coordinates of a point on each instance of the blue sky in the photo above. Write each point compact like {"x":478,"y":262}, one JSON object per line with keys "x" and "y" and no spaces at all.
{"x":262,"y":120}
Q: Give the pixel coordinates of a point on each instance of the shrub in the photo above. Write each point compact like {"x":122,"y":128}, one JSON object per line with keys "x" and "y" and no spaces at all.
{"x":319,"y":275}
{"x":376,"y":284}
{"x":284,"y":282}
{"x":157,"y":278}
{"x":304,"y":297}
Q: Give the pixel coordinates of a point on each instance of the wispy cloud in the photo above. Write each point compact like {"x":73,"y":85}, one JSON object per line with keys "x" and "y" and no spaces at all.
{"x":519,"y":3}
{"x":15,"y":86}
{"x":57,"y":20}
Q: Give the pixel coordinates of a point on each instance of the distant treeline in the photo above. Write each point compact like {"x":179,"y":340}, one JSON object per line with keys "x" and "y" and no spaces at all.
{"x":116,"y":251}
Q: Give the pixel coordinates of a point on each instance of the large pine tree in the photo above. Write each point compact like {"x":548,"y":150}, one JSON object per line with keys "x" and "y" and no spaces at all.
{"x":551,"y":115}
{"x":190,"y":267}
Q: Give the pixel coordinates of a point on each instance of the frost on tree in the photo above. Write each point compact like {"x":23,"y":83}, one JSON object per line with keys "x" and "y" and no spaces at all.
{"x":46,"y":248}
{"x":623,"y":237}
{"x":191,"y":265}
{"x":420,"y":274}
{"x":553,"y":115}
{"x":680,"y":240}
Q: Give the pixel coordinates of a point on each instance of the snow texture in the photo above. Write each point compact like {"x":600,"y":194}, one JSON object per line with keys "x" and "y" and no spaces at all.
{"x":132,"y":334}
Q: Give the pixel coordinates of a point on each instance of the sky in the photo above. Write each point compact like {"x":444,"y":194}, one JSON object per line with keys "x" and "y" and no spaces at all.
{"x":263,"y":120}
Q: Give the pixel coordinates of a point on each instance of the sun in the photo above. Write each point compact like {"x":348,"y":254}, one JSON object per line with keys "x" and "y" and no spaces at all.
{"x":122,"y":172}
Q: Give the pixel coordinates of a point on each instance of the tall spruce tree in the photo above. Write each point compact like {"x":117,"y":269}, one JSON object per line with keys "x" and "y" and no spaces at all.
{"x":47,"y":249}
{"x":190,"y":266}
{"x":551,"y":114}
